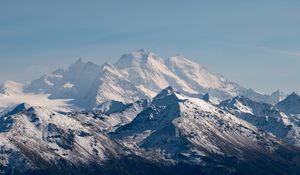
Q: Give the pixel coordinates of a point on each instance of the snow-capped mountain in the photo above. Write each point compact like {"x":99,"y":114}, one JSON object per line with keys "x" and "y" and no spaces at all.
{"x":189,"y":128}
{"x":145,"y":115}
{"x":182,"y":128}
{"x":38,"y":138}
{"x":137,"y":75}
{"x":266,"y":117}
{"x":170,"y":134}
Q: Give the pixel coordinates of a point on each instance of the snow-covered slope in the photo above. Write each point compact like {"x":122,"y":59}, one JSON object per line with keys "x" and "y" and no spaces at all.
{"x":113,"y":85}
{"x":200,"y":79}
{"x":11,"y":94}
{"x":114,"y":114}
{"x":262,"y":98}
{"x":266,"y":117}
{"x":183,"y":128}
{"x":87,"y":84}
{"x":149,"y":72}
{"x":38,"y":138}
{"x":74,"y":83}
{"x":46,"y":82}
{"x":171,"y":134}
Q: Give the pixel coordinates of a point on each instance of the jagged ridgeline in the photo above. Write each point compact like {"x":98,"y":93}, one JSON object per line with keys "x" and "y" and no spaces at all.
{"x":145,"y":115}
{"x":137,"y":75}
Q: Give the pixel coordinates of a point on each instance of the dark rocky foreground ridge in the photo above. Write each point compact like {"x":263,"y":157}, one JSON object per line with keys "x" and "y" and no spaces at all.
{"x":255,"y":164}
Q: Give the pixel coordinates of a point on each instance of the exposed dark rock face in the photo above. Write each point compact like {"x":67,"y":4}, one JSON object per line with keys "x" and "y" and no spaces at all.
{"x":62,"y":138}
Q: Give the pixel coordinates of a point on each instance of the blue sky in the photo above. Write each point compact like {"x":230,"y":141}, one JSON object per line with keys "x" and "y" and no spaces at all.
{"x":254,"y":43}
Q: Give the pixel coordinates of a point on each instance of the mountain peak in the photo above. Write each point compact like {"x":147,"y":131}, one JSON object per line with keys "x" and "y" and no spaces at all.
{"x":80,"y":65}
{"x":165,"y":92}
{"x":107,"y":65}
{"x":291,"y":104}
{"x":143,"y":50}
{"x":11,"y":87}
{"x":19,"y":108}
{"x":136,"y":59}
{"x":294,"y":96}
{"x":166,"y":97}
{"x":234,"y":101}
{"x":206,"y":97}
{"x":79,"y":61}
{"x":23,"y":106}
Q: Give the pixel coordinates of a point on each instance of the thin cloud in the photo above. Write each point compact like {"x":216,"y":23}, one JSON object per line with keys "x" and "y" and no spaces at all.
{"x":295,"y":53}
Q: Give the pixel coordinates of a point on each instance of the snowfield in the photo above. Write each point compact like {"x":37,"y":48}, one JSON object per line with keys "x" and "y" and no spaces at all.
{"x":35,"y":100}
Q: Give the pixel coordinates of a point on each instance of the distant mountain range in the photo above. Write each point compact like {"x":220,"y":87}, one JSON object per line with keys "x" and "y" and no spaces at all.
{"x":140,"y":74}
{"x":145,"y":115}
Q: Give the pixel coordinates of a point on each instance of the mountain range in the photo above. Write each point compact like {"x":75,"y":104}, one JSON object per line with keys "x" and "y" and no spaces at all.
{"x":140,"y":74}
{"x":145,"y":115}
